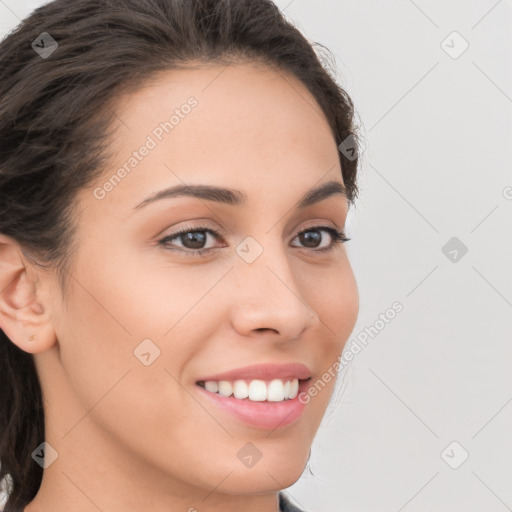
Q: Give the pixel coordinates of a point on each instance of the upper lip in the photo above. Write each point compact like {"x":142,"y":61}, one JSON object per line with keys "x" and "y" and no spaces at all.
{"x":264,"y":372}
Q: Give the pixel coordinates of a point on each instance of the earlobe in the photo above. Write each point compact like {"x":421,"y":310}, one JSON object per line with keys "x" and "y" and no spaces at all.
{"x":23,"y":317}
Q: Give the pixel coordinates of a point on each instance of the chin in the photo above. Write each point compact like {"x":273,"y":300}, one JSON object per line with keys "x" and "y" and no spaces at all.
{"x":276,"y":473}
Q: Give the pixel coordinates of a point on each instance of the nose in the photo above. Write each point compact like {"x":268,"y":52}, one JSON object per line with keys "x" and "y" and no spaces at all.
{"x":266,"y":297}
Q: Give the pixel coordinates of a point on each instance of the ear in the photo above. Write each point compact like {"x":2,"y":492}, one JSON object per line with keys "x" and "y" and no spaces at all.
{"x":24,"y":317}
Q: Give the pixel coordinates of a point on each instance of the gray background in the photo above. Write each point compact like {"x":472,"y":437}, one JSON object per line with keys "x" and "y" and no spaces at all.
{"x":438,"y":136}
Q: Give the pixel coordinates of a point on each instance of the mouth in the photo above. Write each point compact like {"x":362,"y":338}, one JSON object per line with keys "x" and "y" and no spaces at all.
{"x":258,"y":403}
{"x":256,"y":390}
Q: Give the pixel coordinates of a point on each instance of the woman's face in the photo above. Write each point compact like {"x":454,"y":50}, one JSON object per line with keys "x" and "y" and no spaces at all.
{"x":146,"y":319}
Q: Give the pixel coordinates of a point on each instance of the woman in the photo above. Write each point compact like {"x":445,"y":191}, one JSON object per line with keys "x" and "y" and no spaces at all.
{"x":174,"y":288}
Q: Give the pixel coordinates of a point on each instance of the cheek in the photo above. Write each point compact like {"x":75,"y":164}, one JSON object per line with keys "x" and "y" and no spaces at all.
{"x":109,"y":326}
{"x":334,"y":296}
{"x":346,"y":297}
{"x":143,"y":296}
{"x":130,"y":314}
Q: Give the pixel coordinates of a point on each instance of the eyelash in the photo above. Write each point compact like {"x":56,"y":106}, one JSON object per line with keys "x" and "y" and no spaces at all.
{"x":337,"y":236}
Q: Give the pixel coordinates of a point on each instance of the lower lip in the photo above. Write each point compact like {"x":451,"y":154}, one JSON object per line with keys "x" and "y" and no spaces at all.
{"x":264,"y":414}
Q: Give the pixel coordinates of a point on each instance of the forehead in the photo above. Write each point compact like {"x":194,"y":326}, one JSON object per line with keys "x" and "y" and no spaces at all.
{"x":247,"y":125}
{"x":249,"y":104}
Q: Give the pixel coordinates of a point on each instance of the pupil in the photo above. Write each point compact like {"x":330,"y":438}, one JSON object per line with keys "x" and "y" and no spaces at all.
{"x":307,"y":236}
{"x":196,"y":238}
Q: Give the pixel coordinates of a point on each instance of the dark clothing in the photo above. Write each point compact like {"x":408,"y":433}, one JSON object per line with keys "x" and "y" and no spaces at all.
{"x":285,"y":505}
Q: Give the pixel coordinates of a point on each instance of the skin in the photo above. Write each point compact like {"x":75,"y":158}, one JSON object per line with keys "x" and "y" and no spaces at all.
{"x":134,"y":437}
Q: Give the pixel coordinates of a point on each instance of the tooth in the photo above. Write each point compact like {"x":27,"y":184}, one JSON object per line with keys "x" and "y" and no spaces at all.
{"x":287,"y":389}
{"x":294,"y":388}
{"x":276,"y":391}
{"x":257,"y":390}
{"x":240,"y":389}
{"x":225,"y":388}
{"x":211,"y":385}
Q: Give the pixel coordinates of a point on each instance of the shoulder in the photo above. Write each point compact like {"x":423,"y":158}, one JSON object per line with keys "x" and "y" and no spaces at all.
{"x":285,"y":505}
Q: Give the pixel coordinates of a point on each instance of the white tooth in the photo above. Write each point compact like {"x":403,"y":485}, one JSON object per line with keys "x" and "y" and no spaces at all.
{"x":225,"y":388}
{"x":211,"y":385}
{"x":240,"y":389}
{"x":275,"y":391}
{"x":294,"y":388}
{"x":257,"y":390}
{"x":287,"y":389}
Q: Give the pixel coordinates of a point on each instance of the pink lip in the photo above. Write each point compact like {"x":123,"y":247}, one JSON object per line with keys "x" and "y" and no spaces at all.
{"x":265,"y":415}
{"x":263,"y":372}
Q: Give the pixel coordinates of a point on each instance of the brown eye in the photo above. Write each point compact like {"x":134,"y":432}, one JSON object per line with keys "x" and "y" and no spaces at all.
{"x":312,"y":237}
{"x":191,"y":238}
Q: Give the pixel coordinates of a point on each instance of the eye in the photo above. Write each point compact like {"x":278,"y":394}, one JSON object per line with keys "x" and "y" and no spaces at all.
{"x":193,"y":239}
{"x":312,"y":237}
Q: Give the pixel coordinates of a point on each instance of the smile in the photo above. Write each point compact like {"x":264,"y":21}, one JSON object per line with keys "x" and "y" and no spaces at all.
{"x":261,"y":410}
{"x":256,"y":390}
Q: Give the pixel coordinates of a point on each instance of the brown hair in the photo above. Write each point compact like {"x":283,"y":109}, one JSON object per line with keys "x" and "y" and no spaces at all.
{"x":55,"y":114}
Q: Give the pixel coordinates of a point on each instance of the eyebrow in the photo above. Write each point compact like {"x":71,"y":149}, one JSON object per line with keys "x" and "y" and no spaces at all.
{"x":237,"y":198}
